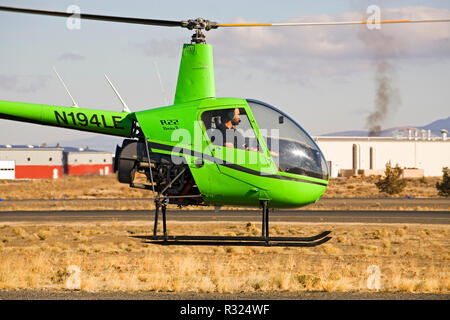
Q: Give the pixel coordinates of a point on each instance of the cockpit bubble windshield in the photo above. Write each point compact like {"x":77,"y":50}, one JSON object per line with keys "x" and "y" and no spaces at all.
{"x":290,"y":146}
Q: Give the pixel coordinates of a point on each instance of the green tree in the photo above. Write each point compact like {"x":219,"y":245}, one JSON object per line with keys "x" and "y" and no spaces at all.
{"x":392,"y":183}
{"x":444,"y":186}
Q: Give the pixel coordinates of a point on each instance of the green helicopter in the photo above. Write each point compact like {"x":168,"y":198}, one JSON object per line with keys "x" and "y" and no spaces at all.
{"x":203,"y":150}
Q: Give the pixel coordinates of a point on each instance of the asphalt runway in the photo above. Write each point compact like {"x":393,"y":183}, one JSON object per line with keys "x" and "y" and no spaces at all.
{"x":175,"y":296}
{"x":319,"y":216}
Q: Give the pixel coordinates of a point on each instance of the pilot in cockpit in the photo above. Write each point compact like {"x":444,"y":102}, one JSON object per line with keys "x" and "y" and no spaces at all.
{"x":232,"y":138}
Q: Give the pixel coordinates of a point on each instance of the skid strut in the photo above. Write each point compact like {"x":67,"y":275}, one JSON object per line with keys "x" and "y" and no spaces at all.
{"x":264,"y":240}
{"x":163,"y":206}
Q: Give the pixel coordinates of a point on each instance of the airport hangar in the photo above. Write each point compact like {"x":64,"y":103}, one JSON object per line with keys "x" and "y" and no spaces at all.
{"x":34,"y":162}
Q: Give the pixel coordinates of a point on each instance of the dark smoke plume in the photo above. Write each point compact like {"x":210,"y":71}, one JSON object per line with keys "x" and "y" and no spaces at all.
{"x":386,"y":98}
{"x":382,"y":48}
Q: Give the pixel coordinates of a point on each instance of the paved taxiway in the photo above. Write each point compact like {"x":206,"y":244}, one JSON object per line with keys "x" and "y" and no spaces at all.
{"x":321,"y":216}
{"x":152,"y":295}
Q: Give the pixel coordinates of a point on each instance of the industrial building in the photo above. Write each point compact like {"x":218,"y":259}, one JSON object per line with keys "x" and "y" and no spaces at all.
{"x":419,"y":155}
{"x":30,"y":162}
{"x":33,"y":162}
{"x":80,"y":162}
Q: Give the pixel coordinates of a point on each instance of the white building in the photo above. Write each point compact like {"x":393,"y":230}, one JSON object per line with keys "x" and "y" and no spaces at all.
{"x":31,"y":162}
{"x":7,"y":170}
{"x":369,"y":155}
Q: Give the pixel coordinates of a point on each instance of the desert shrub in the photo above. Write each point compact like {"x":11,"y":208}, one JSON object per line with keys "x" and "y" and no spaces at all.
{"x":392,"y":183}
{"x":444,"y":186}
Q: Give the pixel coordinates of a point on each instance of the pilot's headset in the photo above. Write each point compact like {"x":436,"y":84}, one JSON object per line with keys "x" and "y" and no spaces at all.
{"x":227,"y":115}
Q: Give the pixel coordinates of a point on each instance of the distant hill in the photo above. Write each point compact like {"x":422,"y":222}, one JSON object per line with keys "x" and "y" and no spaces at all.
{"x":435,"y":127}
{"x":438,"y":125}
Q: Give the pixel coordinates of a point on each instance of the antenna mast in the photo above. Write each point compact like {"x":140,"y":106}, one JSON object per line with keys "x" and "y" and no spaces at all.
{"x":161,"y":84}
{"x":125,"y":107}
{"x":75,"y":105}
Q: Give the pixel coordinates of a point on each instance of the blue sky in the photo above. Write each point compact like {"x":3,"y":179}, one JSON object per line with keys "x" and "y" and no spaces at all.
{"x":324,"y":77}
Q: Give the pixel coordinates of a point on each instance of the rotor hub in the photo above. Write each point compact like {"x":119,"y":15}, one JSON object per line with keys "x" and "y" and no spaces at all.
{"x":198,"y":25}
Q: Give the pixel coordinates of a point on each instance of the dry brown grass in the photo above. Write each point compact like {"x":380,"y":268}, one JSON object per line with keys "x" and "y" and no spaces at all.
{"x":106,"y":193}
{"x":364,"y":187}
{"x":101,"y":187}
{"x":412,"y":258}
{"x":69,"y":187}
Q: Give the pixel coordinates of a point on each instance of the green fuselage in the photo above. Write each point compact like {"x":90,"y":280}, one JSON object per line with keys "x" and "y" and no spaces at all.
{"x":224,"y":175}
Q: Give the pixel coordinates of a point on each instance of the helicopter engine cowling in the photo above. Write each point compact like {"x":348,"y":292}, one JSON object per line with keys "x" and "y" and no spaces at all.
{"x":169,"y":177}
{"x":126,"y":160}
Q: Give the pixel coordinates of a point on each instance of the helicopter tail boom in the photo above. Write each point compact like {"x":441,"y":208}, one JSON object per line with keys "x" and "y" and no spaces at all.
{"x":99,"y":121}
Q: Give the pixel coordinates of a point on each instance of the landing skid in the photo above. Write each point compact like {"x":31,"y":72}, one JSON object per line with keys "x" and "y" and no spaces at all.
{"x":233,"y":241}
{"x":264,"y":240}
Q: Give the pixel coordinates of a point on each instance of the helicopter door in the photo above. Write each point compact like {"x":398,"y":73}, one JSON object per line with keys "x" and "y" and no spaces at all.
{"x":232,"y":139}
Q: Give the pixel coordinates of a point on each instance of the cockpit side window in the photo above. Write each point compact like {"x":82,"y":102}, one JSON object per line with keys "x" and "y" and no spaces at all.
{"x":231,"y":128}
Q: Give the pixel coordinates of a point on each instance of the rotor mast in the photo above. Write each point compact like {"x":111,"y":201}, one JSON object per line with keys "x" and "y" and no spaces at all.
{"x":196,"y":75}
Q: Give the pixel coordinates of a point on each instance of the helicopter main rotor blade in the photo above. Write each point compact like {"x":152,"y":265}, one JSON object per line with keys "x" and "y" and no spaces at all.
{"x":334,"y":23}
{"x":163,"y":23}
{"x":200,"y":23}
